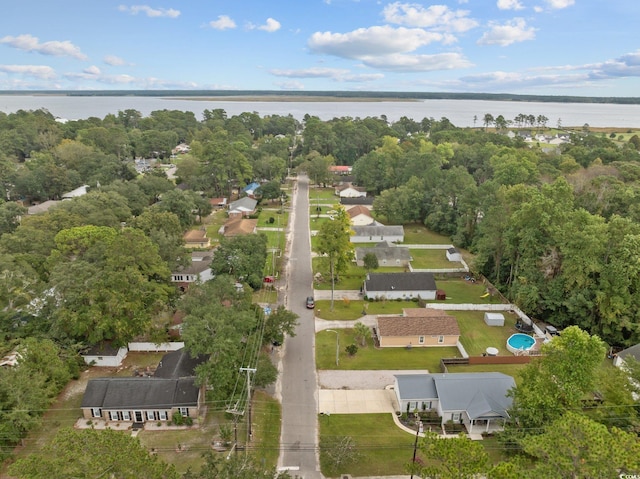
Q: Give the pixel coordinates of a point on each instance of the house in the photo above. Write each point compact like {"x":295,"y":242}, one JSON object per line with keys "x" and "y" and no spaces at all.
{"x":417,"y":327}
{"x":198,"y":271}
{"x":10,"y":360}
{"x":79,"y":191}
{"x":243,"y":207}
{"x":238,"y":226}
{"x":360,"y":215}
{"x":171,"y":390}
{"x":41,"y":207}
{"x":218,"y":203}
{"x":362,"y":200}
{"x":454,"y":255}
{"x":387,"y":253}
{"x":104,"y":354}
{"x":196,"y":239}
{"x":494,"y":319}
{"x":632,"y":352}
{"x":376,"y":233}
{"x":250,"y":189}
{"x":400,"y":286}
{"x":340,"y":169}
{"x":477,"y":400}
{"x":348,"y":191}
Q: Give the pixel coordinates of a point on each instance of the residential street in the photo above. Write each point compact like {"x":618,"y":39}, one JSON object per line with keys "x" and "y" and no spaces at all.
{"x":298,"y":382}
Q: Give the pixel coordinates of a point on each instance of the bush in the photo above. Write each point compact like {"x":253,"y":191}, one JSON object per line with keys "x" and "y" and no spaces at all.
{"x":178,"y":419}
{"x":271,"y":220}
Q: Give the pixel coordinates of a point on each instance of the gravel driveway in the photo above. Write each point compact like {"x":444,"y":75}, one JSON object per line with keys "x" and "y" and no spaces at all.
{"x":376,"y":379}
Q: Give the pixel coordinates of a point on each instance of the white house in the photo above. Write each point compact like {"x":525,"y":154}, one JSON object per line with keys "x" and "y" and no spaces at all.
{"x":198,"y":271}
{"x":350,"y":192}
{"x":377,"y":233}
{"x":105,"y":354}
{"x":360,"y":215}
{"x":400,"y":285}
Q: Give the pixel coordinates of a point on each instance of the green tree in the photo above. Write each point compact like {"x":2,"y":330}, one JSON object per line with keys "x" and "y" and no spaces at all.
{"x":370,"y":261}
{"x":242,"y":257}
{"x":334,"y":245}
{"x":361,"y":332}
{"x":235,"y":467}
{"x":576,"y":446}
{"x":450,"y":458}
{"x":351,"y":349}
{"x":279,"y":323}
{"x":10,"y":214}
{"x":91,"y":453}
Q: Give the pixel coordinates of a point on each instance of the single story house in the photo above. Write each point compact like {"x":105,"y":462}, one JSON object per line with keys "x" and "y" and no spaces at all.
{"x":494,"y":319}
{"x":632,"y":352}
{"x":196,"y":239}
{"x":79,"y":191}
{"x":243,"y":207}
{"x":250,"y":189}
{"x":104,"y":354}
{"x":377,"y":233}
{"x":360,"y":215}
{"x":454,"y":255}
{"x":477,"y":400}
{"x":198,"y":271}
{"x":387,"y":253}
{"x":171,"y":390}
{"x":340,"y":169}
{"x":238,"y":226}
{"x":41,"y":207}
{"x":218,"y":203}
{"x":400,"y":285}
{"x":363,"y":200}
{"x":348,"y":191}
{"x":417,"y":327}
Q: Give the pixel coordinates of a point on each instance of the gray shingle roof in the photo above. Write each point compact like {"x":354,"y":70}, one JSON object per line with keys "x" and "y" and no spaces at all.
{"x":416,"y":386}
{"x":386,"y":252}
{"x":633,"y":351}
{"x":417,"y":281}
{"x":378,"y":230}
{"x":140,"y":393}
{"x":178,"y":364}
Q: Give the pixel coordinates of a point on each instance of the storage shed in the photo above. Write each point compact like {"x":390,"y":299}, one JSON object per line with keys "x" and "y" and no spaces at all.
{"x":494,"y":319}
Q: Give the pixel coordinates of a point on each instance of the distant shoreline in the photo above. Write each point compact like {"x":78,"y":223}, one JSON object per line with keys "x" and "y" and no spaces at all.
{"x":326,"y":96}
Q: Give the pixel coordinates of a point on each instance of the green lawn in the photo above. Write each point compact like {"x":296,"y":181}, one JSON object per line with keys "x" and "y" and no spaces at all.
{"x":315,"y":222}
{"x":431,"y":258}
{"x":372,"y":358}
{"x":266,"y":428}
{"x":279,"y":219}
{"x":415,"y":233}
{"x":512,"y":370}
{"x":382,"y":448}
{"x":351,"y":279}
{"x":476,"y":336}
{"x":275,"y":239}
{"x":460,"y":291}
{"x":324,"y":195}
{"x":347,"y":310}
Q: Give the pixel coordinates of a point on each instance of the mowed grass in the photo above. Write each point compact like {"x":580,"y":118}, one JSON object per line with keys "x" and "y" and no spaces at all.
{"x":432,"y":259}
{"x":381,"y":447}
{"x":266,"y":414}
{"x":415,"y":233}
{"x":476,"y":336}
{"x":348,"y":310}
{"x":323,"y":195}
{"x":280,"y":219}
{"x":369,"y":357}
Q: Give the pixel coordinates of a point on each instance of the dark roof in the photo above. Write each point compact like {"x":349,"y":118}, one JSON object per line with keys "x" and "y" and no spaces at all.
{"x":417,"y":281}
{"x":385,"y":252}
{"x":452,"y":250}
{"x":140,"y":393}
{"x":102,"y":349}
{"x":440,"y":324}
{"x":178,"y":364}
{"x":362,"y":200}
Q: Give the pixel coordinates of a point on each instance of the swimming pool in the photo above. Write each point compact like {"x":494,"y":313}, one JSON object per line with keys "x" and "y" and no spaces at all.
{"x":517,"y":343}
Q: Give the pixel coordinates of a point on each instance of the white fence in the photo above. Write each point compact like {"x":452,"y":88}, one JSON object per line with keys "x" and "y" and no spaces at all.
{"x":153,"y":347}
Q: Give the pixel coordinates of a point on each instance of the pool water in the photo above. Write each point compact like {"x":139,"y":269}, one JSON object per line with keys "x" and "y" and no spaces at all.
{"x":520,"y":342}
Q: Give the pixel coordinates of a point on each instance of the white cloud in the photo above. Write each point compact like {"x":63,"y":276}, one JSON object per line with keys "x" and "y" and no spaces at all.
{"x":337,"y":74}
{"x":510,"y":5}
{"x":513,"y":31}
{"x":224,"y":22}
{"x":42,"y":72}
{"x":559,"y":4}
{"x":417,"y":63}
{"x":435,"y":17}
{"x":115,"y":61}
{"x":270,"y":26}
{"x":149,"y":11}
{"x":372,"y":41}
{"x":92,"y":70}
{"x":30,"y":43}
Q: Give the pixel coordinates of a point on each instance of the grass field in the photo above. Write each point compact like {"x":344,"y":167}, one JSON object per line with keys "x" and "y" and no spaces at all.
{"x":476,"y":336}
{"x":431,"y":258}
{"x":415,"y":233}
{"x":369,"y":357}
{"x":266,"y":428}
{"x":381,"y":447}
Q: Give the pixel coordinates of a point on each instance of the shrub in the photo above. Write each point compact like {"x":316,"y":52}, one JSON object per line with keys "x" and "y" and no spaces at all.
{"x":177,"y":419}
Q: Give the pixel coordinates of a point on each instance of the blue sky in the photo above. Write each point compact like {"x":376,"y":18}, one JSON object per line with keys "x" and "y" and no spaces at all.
{"x":550,"y":47}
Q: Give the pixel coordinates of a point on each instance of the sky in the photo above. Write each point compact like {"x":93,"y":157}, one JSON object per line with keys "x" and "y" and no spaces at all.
{"x":537,"y":47}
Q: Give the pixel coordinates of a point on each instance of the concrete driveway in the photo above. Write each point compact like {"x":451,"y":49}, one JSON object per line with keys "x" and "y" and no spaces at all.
{"x":364,"y":401}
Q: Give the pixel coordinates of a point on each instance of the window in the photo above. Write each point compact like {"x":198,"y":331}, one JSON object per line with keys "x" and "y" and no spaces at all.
{"x":151,"y":415}
{"x":126,"y":416}
{"x":440,"y":339}
{"x":421,"y":340}
{"x":455,"y":416}
{"x":426,"y":405}
{"x":184,"y":411}
{"x":96,"y":412}
{"x":163,"y":415}
{"x":113,"y":415}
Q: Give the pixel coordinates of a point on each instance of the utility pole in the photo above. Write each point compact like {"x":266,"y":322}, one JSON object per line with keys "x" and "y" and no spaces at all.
{"x":248,"y":371}
{"x":415,"y":447}
{"x":235,"y":413}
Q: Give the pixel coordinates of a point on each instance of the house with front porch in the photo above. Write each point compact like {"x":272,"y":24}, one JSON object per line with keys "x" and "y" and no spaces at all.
{"x":171,"y":390}
{"x":477,"y":400}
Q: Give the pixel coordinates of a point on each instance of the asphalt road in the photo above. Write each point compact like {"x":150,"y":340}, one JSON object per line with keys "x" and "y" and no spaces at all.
{"x":298,"y":384}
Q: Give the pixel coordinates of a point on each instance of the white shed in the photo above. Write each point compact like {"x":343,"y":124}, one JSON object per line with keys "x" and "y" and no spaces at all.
{"x":494,"y":319}
{"x":453,"y":255}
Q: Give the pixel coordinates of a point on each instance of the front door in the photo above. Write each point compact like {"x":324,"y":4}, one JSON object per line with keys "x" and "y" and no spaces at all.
{"x":138,"y":416}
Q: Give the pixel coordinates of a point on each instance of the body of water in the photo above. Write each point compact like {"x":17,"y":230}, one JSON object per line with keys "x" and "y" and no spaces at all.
{"x":462,"y":113}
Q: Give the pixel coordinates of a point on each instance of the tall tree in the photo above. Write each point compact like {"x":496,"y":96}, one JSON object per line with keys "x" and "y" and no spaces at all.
{"x":451,"y":458}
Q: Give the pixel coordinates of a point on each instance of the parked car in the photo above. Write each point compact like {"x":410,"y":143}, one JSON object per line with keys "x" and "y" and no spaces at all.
{"x":310,"y":302}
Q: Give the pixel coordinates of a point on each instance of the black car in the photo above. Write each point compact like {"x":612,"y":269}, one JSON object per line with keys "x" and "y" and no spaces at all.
{"x":310,"y":302}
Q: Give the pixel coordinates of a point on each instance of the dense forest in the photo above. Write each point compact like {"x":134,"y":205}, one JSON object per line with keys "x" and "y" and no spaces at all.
{"x":555,"y":227}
